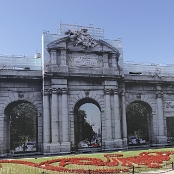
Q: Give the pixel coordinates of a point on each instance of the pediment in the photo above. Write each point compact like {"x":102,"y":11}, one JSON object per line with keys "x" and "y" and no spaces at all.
{"x":81,"y":41}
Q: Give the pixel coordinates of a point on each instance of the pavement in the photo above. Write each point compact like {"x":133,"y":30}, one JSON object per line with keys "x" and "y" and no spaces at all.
{"x":160,"y":172}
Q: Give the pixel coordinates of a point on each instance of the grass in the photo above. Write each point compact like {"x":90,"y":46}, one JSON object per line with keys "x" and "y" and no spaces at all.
{"x":22,"y":169}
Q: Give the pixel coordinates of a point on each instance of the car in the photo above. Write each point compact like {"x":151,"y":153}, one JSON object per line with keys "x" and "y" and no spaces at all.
{"x":30,"y":146}
{"x":82,"y":144}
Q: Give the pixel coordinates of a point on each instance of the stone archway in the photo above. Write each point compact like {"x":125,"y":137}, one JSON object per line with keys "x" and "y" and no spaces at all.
{"x":80,"y":124}
{"x":21,"y":127}
{"x":139,"y":114}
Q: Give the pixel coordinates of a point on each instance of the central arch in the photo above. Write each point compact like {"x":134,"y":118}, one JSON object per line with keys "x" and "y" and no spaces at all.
{"x":92,"y":138}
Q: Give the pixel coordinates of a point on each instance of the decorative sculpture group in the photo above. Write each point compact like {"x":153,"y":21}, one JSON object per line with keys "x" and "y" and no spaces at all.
{"x":81,"y":38}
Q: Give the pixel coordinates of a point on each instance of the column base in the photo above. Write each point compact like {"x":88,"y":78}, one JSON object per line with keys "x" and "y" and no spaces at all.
{"x":65,"y":147}
{"x":124,"y":140}
{"x":63,"y":68}
{"x":118,"y":143}
{"x":46,"y":147}
{"x":161,"y":140}
{"x":54,"y":67}
{"x":54,"y":147}
{"x":108,"y":145}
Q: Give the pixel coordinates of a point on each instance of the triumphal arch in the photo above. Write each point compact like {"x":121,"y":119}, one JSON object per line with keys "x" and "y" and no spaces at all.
{"x":79,"y":69}
{"x":79,"y":66}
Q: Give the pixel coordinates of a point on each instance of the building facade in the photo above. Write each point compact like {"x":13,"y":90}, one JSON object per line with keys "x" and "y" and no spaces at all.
{"x":79,"y":66}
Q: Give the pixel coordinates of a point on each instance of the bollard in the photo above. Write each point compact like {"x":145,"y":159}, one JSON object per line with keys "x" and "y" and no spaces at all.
{"x":172,"y":166}
{"x":133,"y":169}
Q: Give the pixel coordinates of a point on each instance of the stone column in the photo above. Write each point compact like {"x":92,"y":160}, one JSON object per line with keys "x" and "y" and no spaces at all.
{"x":117,"y":138}
{"x":108,"y":115}
{"x":60,"y":113}
{"x":124,"y":123}
{"x":46,"y":117}
{"x":105,"y":60}
{"x":161,"y":135}
{"x":65,"y":119}
{"x":2,"y":135}
{"x":54,"y":117}
{"x":53,"y":57}
{"x":63,"y":58}
{"x":65,"y":145}
{"x":114,"y":62}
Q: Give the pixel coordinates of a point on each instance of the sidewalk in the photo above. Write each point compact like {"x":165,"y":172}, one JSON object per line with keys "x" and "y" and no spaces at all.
{"x":160,"y":171}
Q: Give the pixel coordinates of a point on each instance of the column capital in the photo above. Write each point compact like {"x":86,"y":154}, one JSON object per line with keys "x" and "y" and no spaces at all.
{"x":121,"y":91}
{"x":115,"y":91}
{"x":64,"y":90}
{"x":159,"y":94}
{"x":46,"y":92}
{"x":54,"y":90}
{"x":107,"y":91}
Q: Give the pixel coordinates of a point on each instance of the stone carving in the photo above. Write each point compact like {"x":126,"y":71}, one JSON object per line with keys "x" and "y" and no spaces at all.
{"x":169,"y":104}
{"x":21,"y":95}
{"x":84,"y":60}
{"x":81,"y":38}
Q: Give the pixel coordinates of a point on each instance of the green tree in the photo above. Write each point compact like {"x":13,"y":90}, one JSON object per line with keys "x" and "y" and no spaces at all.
{"x":23,"y":122}
{"x":85,"y":129}
{"x":137,"y":122}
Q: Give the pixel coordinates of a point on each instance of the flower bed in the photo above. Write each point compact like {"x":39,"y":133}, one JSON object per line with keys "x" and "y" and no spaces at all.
{"x":114,"y":163}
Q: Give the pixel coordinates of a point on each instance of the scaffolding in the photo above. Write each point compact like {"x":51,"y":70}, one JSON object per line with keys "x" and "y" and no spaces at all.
{"x":19,"y":63}
{"x":135,"y":68}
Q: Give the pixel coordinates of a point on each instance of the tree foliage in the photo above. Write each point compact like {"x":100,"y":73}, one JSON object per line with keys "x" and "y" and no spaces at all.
{"x":137,"y":120}
{"x":23,"y":124}
{"x":86,"y":129}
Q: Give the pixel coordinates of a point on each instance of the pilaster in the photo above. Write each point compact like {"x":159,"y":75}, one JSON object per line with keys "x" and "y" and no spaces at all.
{"x":105,"y":61}
{"x":65,"y":119}
{"x":53,"y":57}
{"x":160,"y":115}
{"x":63,"y":58}
{"x":117,"y":138}
{"x":46,"y":117}
{"x":108,"y":114}
{"x":124,"y":123}
{"x":54,"y":116}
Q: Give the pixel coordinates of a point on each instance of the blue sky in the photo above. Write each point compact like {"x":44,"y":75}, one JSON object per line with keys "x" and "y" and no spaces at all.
{"x":145,"y":26}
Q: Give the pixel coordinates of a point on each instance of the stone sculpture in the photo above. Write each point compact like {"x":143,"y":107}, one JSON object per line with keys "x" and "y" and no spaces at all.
{"x":81,"y":38}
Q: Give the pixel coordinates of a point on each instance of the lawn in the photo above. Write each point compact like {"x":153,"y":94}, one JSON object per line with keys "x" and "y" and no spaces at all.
{"x":111,"y":162}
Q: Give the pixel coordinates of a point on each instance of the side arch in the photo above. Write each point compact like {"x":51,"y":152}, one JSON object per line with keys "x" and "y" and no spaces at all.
{"x":6,"y":122}
{"x":144,"y":98}
{"x":149,"y":116}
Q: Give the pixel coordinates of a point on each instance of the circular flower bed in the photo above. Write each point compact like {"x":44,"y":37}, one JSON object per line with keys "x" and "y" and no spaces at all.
{"x":114,"y":163}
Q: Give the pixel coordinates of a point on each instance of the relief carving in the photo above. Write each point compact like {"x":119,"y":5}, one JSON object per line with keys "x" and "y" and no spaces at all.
{"x":81,"y":38}
{"x":84,"y":60}
{"x":169,"y":104}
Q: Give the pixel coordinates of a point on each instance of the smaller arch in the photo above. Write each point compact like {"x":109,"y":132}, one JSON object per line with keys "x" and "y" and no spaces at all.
{"x":147,"y":121}
{"x":133,"y":98}
{"x":12,"y":124}
{"x":145,"y":104}
{"x":13,"y":104}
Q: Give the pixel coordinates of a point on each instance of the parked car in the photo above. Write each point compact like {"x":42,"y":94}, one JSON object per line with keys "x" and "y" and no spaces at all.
{"x":30,"y":146}
{"x":134,"y":140}
{"x":82,"y":144}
